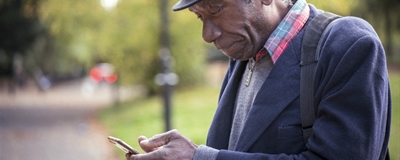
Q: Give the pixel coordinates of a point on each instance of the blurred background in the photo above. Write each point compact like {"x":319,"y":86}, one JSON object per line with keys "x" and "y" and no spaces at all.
{"x":73,"y":72}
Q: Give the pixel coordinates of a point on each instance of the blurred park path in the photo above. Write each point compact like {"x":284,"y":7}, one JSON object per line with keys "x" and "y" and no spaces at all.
{"x":58,"y":123}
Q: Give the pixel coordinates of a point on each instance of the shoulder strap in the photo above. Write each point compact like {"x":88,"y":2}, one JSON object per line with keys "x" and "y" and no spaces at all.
{"x":308,"y":63}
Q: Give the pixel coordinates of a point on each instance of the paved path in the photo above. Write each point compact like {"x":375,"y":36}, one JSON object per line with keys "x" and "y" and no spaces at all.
{"x":56,"y":124}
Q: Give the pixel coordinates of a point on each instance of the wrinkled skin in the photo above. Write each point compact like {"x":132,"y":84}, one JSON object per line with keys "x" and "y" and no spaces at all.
{"x":239,"y":28}
{"x":171,"y":145}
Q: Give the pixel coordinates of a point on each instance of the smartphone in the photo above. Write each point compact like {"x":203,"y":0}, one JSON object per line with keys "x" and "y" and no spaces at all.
{"x":122,"y":145}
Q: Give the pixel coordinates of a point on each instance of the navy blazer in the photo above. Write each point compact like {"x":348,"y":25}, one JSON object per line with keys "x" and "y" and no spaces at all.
{"x":352,"y":97}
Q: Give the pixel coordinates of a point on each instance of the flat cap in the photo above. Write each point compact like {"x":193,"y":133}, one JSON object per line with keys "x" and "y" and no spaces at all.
{"x":182,"y":4}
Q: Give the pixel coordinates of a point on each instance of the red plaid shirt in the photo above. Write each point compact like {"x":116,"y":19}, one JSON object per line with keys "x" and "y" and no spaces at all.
{"x":287,"y":29}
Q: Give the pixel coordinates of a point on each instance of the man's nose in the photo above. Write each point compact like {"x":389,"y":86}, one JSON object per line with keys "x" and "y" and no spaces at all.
{"x":210,"y":31}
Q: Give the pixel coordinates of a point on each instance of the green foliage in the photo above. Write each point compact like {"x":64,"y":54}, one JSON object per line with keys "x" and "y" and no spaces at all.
{"x":72,"y":28}
{"x":127,"y":37}
{"x":188,"y":46}
{"x":341,"y":7}
{"x":19,"y":28}
{"x":19,"y":25}
{"x":129,"y":40}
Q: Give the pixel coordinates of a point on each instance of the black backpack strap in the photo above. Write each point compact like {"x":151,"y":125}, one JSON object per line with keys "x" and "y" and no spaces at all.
{"x":308,"y":63}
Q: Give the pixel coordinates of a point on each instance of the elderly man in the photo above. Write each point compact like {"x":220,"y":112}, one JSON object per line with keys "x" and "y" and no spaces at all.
{"x":258,"y":114}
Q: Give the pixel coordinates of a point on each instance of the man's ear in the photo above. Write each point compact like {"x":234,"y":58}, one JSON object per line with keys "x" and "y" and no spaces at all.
{"x":267,"y":2}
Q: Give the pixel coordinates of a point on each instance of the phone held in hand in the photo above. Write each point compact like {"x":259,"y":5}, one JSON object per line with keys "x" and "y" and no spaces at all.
{"x":122,"y":145}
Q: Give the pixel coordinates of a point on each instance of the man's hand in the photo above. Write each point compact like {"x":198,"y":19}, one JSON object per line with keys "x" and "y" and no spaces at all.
{"x":171,"y":145}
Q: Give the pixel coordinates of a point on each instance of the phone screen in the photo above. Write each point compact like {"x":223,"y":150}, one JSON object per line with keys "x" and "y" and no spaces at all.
{"x":122,"y":145}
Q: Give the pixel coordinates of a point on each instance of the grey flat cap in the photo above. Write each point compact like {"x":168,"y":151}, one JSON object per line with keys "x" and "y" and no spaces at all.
{"x":182,"y":4}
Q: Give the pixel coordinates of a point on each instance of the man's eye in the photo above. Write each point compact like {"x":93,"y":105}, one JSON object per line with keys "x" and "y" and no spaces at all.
{"x":199,"y":17}
{"x":216,"y":11}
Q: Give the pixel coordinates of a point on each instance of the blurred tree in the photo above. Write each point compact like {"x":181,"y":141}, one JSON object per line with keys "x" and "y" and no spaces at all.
{"x":73,"y":26}
{"x":19,"y":28}
{"x":341,"y":7}
{"x":127,"y":37}
{"x":130,"y":41}
{"x":188,"y":46}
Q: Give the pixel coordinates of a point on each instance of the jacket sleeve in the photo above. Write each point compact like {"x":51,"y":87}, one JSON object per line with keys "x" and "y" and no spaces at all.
{"x":352,"y":96}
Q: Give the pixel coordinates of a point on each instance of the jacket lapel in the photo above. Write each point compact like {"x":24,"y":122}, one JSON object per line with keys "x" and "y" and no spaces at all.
{"x":218,"y":135}
{"x":278,"y":91}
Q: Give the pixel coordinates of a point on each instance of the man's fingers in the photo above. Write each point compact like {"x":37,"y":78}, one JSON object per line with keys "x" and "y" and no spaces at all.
{"x":159,"y":140}
{"x":152,"y":144}
{"x":156,"y":155}
{"x":170,"y":145}
{"x":141,"y":138}
{"x":128,"y":156}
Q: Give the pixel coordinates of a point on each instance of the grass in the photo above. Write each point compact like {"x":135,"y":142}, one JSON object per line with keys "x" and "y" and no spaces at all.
{"x":192,"y":113}
{"x":394,"y":144}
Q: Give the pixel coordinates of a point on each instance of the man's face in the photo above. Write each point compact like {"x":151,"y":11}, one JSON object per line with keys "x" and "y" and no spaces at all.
{"x":238,"y":28}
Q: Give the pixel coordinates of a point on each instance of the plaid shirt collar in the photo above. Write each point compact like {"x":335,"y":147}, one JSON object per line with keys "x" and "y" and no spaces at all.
{"x":287,"y":29}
